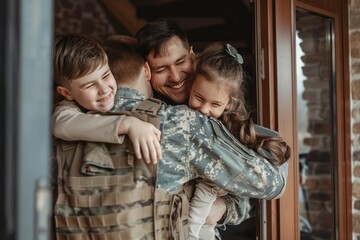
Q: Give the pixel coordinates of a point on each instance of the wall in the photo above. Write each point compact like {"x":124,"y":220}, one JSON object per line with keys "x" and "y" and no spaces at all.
{"x":87,"y":17}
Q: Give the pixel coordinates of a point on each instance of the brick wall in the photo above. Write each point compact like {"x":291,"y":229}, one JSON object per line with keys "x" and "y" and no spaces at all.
{"x":82,"y":16}
{"x":354,"y":22}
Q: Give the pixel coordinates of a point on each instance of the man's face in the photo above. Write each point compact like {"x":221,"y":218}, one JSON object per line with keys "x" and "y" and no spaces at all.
{"x":94,"y":91}
{"x":170,"y":69}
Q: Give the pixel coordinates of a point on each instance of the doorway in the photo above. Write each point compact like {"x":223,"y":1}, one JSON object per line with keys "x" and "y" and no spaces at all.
{"x":229,"y":21}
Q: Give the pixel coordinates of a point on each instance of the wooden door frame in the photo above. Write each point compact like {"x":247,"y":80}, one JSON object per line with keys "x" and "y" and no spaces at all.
{"x":275,"y":29}
{"x":274,"y":86}
{"x":338,"y":11}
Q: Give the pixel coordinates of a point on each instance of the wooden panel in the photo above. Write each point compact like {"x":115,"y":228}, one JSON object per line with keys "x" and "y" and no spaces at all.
{"x":278,"y":110}
{"x":286,"y":117}
{"x":330,"y":5}
{"x":345,"y":170}
{"x":343,"y":106}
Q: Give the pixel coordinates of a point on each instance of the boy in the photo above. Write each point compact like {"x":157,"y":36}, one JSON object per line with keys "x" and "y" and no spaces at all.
{"x":84,"y":79}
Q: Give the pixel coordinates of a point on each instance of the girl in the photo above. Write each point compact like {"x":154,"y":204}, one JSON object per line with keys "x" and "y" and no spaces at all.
{"x":217,"y":90}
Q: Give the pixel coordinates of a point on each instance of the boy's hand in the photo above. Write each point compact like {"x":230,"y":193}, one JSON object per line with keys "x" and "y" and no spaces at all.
{"x":144,"y":137}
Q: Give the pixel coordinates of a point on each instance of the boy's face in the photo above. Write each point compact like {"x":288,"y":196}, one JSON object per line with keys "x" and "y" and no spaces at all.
{"x":171,"y":69}
{"x":208,"y":97}
{"x":94,"y":91}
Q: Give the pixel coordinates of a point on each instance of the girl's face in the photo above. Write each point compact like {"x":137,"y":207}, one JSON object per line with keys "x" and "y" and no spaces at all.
{"x":208,"y":97}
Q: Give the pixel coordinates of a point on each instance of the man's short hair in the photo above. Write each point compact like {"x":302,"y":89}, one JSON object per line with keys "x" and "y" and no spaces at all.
{"x":153,"y":35}
{"x":125,"y":60}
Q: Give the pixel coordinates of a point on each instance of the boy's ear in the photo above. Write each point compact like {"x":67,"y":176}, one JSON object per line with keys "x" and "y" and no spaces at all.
{"x":64,"y":92}
{"x":147,"y":71}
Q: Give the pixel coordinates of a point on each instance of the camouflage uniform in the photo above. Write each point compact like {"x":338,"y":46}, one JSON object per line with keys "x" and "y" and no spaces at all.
{"x":194,"y":145}
{"x":127,"y":199}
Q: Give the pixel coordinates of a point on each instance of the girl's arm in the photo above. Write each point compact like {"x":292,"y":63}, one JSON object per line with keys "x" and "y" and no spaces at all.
{"x":71,"y":124}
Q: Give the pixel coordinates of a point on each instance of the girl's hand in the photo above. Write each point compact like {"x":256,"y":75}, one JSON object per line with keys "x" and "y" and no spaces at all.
{"x":145,"y":138}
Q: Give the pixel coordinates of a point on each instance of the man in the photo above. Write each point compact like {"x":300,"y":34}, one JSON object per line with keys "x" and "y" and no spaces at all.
{"x":167,"y":50}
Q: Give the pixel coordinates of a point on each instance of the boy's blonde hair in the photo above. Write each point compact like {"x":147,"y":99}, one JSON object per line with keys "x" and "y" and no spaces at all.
{"x":75,"y":56}
{"x":125,"y":60}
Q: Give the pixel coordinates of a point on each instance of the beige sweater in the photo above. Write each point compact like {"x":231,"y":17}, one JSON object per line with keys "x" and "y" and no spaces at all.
{"x":70,"y":123}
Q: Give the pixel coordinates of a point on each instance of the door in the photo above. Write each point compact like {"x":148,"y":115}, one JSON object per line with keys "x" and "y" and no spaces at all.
{"x":25,"y":122}
{"x":322,"y":192}
{"x":204,"y":22}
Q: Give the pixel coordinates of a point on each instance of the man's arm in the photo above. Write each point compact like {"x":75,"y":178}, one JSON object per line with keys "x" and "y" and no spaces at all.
{"x":231,"y":165}
{"x":229,"y":209}
{"x":238,"y":210}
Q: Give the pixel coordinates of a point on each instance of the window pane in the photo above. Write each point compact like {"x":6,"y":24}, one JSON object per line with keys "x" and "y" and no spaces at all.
{"x":316,"y":129}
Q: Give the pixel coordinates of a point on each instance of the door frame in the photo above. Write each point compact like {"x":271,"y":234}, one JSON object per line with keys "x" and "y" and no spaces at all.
{"x":276,"y":65}
{"x":25,"y":126}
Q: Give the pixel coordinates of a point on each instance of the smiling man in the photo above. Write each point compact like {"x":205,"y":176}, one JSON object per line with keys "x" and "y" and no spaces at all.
{"x":170,"y":56}
{"x":165,"y":46}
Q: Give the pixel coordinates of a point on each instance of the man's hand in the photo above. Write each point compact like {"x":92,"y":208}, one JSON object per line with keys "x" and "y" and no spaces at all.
{"x":145,"y":138}
{"x":218,"y":209}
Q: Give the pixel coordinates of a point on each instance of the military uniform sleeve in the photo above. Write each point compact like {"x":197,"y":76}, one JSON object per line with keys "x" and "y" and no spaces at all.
{"x":221,"y":158}
{"x":237,"y":210}
{"x":69,"y":123}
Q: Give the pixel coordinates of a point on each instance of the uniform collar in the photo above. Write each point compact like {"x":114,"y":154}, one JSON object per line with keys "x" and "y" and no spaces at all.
{"x":126,"y":98}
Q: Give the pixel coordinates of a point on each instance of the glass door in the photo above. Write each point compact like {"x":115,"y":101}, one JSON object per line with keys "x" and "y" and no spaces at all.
{"x":316,"y":130}
{"x":310,"y":108}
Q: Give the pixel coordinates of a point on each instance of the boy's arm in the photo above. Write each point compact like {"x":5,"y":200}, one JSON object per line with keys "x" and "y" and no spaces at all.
{"x":69,"y":123}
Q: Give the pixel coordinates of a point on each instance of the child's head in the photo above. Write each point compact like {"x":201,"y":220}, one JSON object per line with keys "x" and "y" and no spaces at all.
{"x":127,"y":64}
{"x":217,"y":90}
{"x":82,"y":73}
{"x":217,"y":83}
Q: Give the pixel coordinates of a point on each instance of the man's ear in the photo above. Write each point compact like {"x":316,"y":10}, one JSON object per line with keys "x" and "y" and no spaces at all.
{"x":147,"y":71}
{"x":64,"y":92}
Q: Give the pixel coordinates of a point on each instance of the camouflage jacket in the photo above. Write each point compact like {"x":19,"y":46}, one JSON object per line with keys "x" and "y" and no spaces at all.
{"x":195,"y":146}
